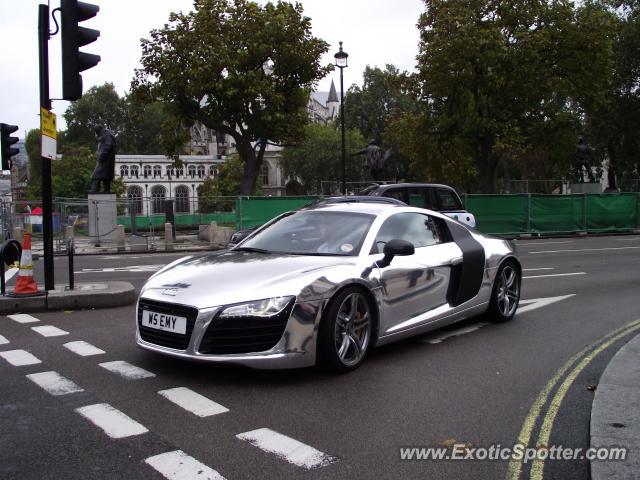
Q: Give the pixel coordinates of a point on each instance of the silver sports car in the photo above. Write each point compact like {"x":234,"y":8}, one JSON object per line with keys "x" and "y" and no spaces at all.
{"x":326,"y":284}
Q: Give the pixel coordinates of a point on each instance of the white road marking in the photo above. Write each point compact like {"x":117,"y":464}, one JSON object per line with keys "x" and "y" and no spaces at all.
{"x":536,"y":269}
{"x":54,"y":383}
{"x":130,"y":268}
{"x":556,"y":275}
{"x":287,"y":448}
{"x":543,"y":243}
{"x":3,"y":340}
{"x":633,"y":239}
{"x":127,"y":370}
{"x":19,"y":358}
{"x":535,"y":303}
{"x":113,"y":422}
{"x":49,"y":331}
{"x":23,"y":318}
{"x":193,"y":402}
{"x":585,"y":250}
{"x":453,"y":333}
{"x":83,"y":349}
{"x":178,"y":465}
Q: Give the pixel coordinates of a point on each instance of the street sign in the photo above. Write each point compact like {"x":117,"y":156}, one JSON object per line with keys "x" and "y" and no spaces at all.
{"x":48,"y":133}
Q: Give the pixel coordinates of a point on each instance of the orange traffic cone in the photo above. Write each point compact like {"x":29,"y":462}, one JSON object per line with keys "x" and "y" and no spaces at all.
{"x":26,"y":285}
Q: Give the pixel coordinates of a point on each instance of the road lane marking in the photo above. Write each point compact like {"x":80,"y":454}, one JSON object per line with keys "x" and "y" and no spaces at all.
{"x":130,"y":268}
{"x":536,"y":269}
{"x":3,"y":340}
{"x":586,"y":250}
{"x":83,"y":349}
{"x":452,"y":334}
{"x":49,"y":331}
{"x":524,"y":437}
{"x":535,"y":303}
{"x":113,"y":422}
{"x":178,"y":465}
{"x":287,"y":448}
{"x":19,"y":358}
{"x":54,"y":383}
{"x":555,"y":275}
{"x":634,"y":239}
{"x":543,"y":243}
{"x":23,"y":318}
{"x":126,"y":370}
{"x":537,"y":467}
{"x":193,"y":402}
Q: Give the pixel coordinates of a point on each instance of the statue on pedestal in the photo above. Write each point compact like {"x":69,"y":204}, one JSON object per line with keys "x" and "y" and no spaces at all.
{"x":375,"y":158}
{"x":582,"y":160}
{"x":106,"y":160}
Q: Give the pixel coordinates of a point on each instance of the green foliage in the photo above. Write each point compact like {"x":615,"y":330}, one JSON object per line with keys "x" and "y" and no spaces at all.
{"x":318,"y":157}
{"x":225,"y":184}
{"x":71,"y":175}
{"x":238,"y":68}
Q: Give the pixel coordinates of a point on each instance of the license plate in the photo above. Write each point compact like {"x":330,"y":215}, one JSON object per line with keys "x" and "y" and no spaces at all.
{"x":163,"y":321}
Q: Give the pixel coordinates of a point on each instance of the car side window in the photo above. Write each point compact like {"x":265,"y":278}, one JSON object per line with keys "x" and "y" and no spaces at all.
{"x":421,"y":230}
{"x":421,"y":198}
{"x":448,"y":200}
{"x":397,"y":193}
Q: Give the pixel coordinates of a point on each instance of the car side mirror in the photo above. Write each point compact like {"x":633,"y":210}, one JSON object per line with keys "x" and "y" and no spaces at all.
{"x":396,"y":247}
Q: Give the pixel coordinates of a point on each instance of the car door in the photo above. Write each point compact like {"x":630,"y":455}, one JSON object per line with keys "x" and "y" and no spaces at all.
{"x":418,"y":283}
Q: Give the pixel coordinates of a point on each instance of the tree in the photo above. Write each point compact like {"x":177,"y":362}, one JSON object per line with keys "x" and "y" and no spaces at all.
{"x":225,"y":184}
{"x":495,"y":73}
{"x":238,"y":68}
{"x":318,"y":158}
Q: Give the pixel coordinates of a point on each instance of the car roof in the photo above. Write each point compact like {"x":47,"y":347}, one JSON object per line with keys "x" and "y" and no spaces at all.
{"x":387,"y":186}
{"x":371,"y":208}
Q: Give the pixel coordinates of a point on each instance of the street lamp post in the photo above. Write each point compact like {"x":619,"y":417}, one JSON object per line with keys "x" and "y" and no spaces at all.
{"x":341,"y":62}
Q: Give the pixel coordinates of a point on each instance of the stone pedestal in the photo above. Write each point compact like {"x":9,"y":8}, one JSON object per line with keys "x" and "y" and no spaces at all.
{"x":591,"y":187}
{"x":102,"y":217}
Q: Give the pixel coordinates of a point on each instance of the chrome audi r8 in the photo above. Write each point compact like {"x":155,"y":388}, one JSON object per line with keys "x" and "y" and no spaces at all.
{"x":326,"y":284}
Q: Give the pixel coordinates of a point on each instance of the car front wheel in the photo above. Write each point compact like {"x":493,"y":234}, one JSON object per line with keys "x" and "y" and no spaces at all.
{"x":506,"y":293}
{"x":345,"y":332}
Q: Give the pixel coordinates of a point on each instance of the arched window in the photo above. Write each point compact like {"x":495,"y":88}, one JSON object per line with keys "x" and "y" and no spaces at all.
{"x":169,"y":171}
{"x":200,"y":171}
{"x":134,"y":194}
{"x":124,"y":171}
{"x":182,"y":199}
{"x":264,"y":172}
{"x":157,"y":171}
{"x":147,"y":171}
{"x":192,"y":170}
{"x":158,"y":194}
{"x":134,"y":171}
{"x":179,"y":172}
{"x":212,"y":171}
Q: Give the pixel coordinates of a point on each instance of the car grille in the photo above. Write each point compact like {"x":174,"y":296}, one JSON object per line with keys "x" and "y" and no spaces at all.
{"x":244,"y":334}
{"x":160,"y":337}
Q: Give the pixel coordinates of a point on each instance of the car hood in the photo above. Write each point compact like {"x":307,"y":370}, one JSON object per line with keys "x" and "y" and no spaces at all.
{"x":232,"y":277}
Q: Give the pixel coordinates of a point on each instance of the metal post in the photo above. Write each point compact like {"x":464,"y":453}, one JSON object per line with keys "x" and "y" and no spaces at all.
{"x":2,"y":282}
{"x":45,"y":102}
{"x":584,"y":212}
{"x":70,"y":254}
{"x":344,"y":164}
{"x":528,"y":213}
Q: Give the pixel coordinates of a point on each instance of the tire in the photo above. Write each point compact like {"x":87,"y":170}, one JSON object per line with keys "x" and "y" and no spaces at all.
{"x":346,"y":330}
{"x":505,"y":294}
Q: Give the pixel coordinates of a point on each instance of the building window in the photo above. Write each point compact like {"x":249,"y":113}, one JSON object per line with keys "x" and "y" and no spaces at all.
{"x":124,"y":171}
{"x":182,"y":199}
{"x":157,"y":171}
{"x":200,"y":171}
{"x":158,"y":194}
{"x":134,"y":194}
{"x":170,"y":171}
{"x":192,"y":170}
{"x":264,"y":173}
{"x":147,"y":171}
{"x":212,"y":171}
{"x":134,"y":171}
{"x":179,"y":172}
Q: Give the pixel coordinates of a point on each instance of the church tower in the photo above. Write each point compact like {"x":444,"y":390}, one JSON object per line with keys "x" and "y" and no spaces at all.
{"x":333,"y":104}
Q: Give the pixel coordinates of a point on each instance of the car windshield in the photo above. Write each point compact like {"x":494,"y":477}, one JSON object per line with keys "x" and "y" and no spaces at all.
{"x":310,"y":232}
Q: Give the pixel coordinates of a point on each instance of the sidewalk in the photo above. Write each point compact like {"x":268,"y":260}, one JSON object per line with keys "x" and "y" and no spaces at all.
{"x":615,"y":414}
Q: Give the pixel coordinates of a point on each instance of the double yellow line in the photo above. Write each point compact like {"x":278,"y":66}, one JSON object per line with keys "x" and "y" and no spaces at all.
{"x":579,"y":361}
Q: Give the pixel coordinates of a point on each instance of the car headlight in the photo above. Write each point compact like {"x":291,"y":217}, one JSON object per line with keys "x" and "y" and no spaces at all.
{"x":269,"y":307}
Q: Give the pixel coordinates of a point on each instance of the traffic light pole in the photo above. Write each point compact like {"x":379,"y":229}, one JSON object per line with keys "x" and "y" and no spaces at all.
{"x":45,"y":102}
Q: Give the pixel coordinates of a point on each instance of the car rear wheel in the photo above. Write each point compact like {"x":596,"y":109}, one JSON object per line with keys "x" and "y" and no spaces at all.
{"x":506,"y":293}
{"x":345,"y":331}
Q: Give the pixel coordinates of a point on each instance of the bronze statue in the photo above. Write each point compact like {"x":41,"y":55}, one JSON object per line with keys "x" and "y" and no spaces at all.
{"x":582,"y":160}
{"x":375,"y":158}
{"x":106,"y":160}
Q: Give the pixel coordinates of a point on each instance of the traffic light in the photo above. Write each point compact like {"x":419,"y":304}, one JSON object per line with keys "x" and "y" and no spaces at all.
{"x":73,"y":37}
{"x":6,"y":140}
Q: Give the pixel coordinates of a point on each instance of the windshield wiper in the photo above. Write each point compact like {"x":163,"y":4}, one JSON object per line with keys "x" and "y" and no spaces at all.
{"x":251,"y":249}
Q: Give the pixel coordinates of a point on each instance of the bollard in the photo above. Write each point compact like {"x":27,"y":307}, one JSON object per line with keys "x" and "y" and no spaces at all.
{"x":68,"y":232}
{"x":120,"y":238}
{"x":213,"y":227}
{"x":70,"y":248}
{"x":168,"y":236}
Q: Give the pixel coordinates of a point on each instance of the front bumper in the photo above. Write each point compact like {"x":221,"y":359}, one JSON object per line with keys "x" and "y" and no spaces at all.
{"x":295,"y":349}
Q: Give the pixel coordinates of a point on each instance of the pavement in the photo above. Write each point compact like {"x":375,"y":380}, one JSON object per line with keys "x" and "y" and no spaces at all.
{"x":615,"y":414}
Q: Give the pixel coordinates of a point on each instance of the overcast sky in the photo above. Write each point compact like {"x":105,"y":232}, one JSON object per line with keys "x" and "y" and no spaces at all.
{"x":374,"y":32}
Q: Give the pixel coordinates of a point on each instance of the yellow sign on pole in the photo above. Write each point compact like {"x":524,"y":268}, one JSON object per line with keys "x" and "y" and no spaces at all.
{"x":48,"y":134}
